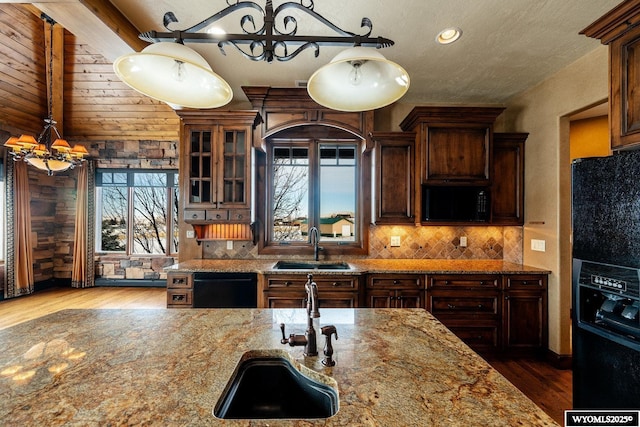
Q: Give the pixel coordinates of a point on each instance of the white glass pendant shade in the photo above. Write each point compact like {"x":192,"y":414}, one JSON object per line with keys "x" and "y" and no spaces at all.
{"x":49,"y":165}
{"x":358,"y":79}
{"x":175,"y":74}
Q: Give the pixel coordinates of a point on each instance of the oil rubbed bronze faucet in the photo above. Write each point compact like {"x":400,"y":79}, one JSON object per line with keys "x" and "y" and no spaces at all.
{"x":308,"y":340}
{"x":314,"y":239}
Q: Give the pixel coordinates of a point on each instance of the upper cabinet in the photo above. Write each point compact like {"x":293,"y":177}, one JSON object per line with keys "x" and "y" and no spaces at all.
{"x":620,"y":29}
{"x":216,"y":165}
{"x":394,"y":181}
{"x":455,"y":143}
{"x":507,"y":189}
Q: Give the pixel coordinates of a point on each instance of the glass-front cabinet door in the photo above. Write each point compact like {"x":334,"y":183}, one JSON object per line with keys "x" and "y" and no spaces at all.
{"x":216,"y":167}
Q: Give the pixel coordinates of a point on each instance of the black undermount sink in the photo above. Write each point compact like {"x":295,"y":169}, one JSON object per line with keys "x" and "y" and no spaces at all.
{"x":310,"y":265}
{"x":270,"y":387}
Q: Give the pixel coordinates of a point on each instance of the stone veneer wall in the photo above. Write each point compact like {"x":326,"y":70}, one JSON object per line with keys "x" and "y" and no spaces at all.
{"x":134,"y":155}
{"x":426,"y":242}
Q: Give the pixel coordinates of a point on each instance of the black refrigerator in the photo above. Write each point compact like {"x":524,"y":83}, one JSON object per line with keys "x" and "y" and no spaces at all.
{"x":606,"y":282}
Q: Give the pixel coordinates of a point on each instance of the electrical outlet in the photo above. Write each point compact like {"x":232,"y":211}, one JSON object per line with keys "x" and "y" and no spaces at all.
{"x":191,"y":234}
{"x":463,"y":241}
{"x":395,"y":241}
{"x":538,"y":245}
{"x":229,"y":245}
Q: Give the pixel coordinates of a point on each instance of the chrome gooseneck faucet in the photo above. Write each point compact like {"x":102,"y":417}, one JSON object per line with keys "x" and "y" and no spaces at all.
{"x":314,"y":239}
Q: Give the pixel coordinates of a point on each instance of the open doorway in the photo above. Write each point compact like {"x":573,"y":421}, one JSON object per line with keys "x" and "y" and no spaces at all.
{"x":584,"y":133}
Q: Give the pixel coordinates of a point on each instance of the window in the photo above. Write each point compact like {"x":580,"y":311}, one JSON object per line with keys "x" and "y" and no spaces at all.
{"x":314,"y":183}
{"x":137,"y":211}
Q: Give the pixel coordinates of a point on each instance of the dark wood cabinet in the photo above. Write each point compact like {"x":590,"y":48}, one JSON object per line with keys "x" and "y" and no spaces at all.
{"x":287,"y":291}
{"x":469,"y":305}
{"x":395,"y":291}
{"x":507,"y":189}
{"x":525,"y":313}
{"x":216,"y":165}
{"x":394,"y":177}
{"x":179,"y":290}
{"x":492,"y":313}
{"x":620,"y":29}
{"x":454,"y":143}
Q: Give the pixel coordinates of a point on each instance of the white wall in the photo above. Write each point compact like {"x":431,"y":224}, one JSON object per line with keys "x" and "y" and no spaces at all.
{"x":541,"y":111}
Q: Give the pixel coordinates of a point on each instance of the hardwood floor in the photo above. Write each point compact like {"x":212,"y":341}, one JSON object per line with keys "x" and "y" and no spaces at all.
{"x":548,"y":387}
{"x":21,"y":309}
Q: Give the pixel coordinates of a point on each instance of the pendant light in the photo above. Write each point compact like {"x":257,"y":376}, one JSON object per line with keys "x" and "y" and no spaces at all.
{"x":175,"y":74}
{"x":39,"y":153}
{"x":358,"y":79}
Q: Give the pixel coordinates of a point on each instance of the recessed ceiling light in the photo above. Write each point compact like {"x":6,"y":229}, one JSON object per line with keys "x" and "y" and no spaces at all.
{"x":448,"y":35}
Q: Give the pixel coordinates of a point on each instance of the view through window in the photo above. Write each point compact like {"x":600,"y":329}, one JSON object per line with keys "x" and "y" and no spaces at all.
{"x":314,"y":184}
{"x":137,"y":211}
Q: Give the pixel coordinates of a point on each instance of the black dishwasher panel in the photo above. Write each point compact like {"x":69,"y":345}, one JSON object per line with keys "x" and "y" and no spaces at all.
{"x":225,"y":290}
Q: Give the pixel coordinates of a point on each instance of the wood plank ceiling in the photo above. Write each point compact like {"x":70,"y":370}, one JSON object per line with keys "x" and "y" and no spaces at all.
{"x":96,"y":104}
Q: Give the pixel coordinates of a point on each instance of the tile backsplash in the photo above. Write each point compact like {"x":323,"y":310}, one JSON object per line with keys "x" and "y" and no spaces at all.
{"x":427,"y":242}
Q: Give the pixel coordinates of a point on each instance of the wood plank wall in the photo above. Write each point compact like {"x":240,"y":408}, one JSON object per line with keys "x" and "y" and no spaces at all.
{"x":98,"y":106}
{"x":23,"y":103}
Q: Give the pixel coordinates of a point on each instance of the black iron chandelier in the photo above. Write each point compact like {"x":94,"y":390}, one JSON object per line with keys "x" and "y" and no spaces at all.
{"x":357,"y":79}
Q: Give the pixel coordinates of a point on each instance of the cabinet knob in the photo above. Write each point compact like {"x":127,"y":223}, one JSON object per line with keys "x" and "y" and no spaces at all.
{"x":446,"y":282}
{"x":451,"y":306}
{"x":194,"y":216}
{"x":479,"y":305}
{"x":287,"y":283}
{"x":395,"y":282}
{"x":335,"y":284}
{"x":507,"y":297}
{"x":218,"y":216}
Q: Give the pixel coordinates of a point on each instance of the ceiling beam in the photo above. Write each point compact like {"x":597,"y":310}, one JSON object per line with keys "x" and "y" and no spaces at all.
{"x":95,"y":22}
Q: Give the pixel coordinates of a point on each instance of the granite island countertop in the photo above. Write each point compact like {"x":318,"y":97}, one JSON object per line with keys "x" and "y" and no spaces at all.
{"x":363,"y":266}
{"x":395,"y":367}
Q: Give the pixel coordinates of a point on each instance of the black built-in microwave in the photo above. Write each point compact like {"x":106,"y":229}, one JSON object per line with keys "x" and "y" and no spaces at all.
{"x":455,"y":204}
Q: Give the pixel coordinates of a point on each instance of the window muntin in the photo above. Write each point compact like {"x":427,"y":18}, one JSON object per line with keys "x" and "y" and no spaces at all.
{"x":137,"y":212}
{"x":314,"y":183}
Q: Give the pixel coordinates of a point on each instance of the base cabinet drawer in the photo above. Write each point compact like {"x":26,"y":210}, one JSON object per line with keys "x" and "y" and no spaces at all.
{"x":299,"y":300}
{"x":179,"y":298}
{"x":469,"y":305}
{"x":482,"y":338}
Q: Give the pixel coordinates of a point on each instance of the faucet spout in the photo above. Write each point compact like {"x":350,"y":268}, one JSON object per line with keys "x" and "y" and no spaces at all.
{"x":314,"y":239}
{"x":312,"y":298}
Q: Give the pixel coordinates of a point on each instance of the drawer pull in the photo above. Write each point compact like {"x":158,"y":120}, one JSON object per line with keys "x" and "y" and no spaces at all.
{"x":480,"y":306}
{"x":451,"y":306}
{"x":335,"y":284}
{"x":177,"y":298}
{"x":287,"y":283}
{"x":446,"y":282}
{"x":395,"y":282}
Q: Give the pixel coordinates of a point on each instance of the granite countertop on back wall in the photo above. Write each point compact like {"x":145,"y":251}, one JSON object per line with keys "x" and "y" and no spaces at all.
{"x":363,"y":266}
{"x":169,"y":368}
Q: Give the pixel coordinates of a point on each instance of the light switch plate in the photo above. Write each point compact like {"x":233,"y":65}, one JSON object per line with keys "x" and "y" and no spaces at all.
{"x":229,"y":245}
{"x":463,"y":241}
{"x":191,"y":234}
{"x":395,"y":241}
{"x":538,"y":245}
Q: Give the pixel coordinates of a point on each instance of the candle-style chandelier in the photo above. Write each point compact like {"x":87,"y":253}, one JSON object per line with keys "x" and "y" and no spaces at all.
{"x":357,"y":79}
{"x":41,"y":152}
